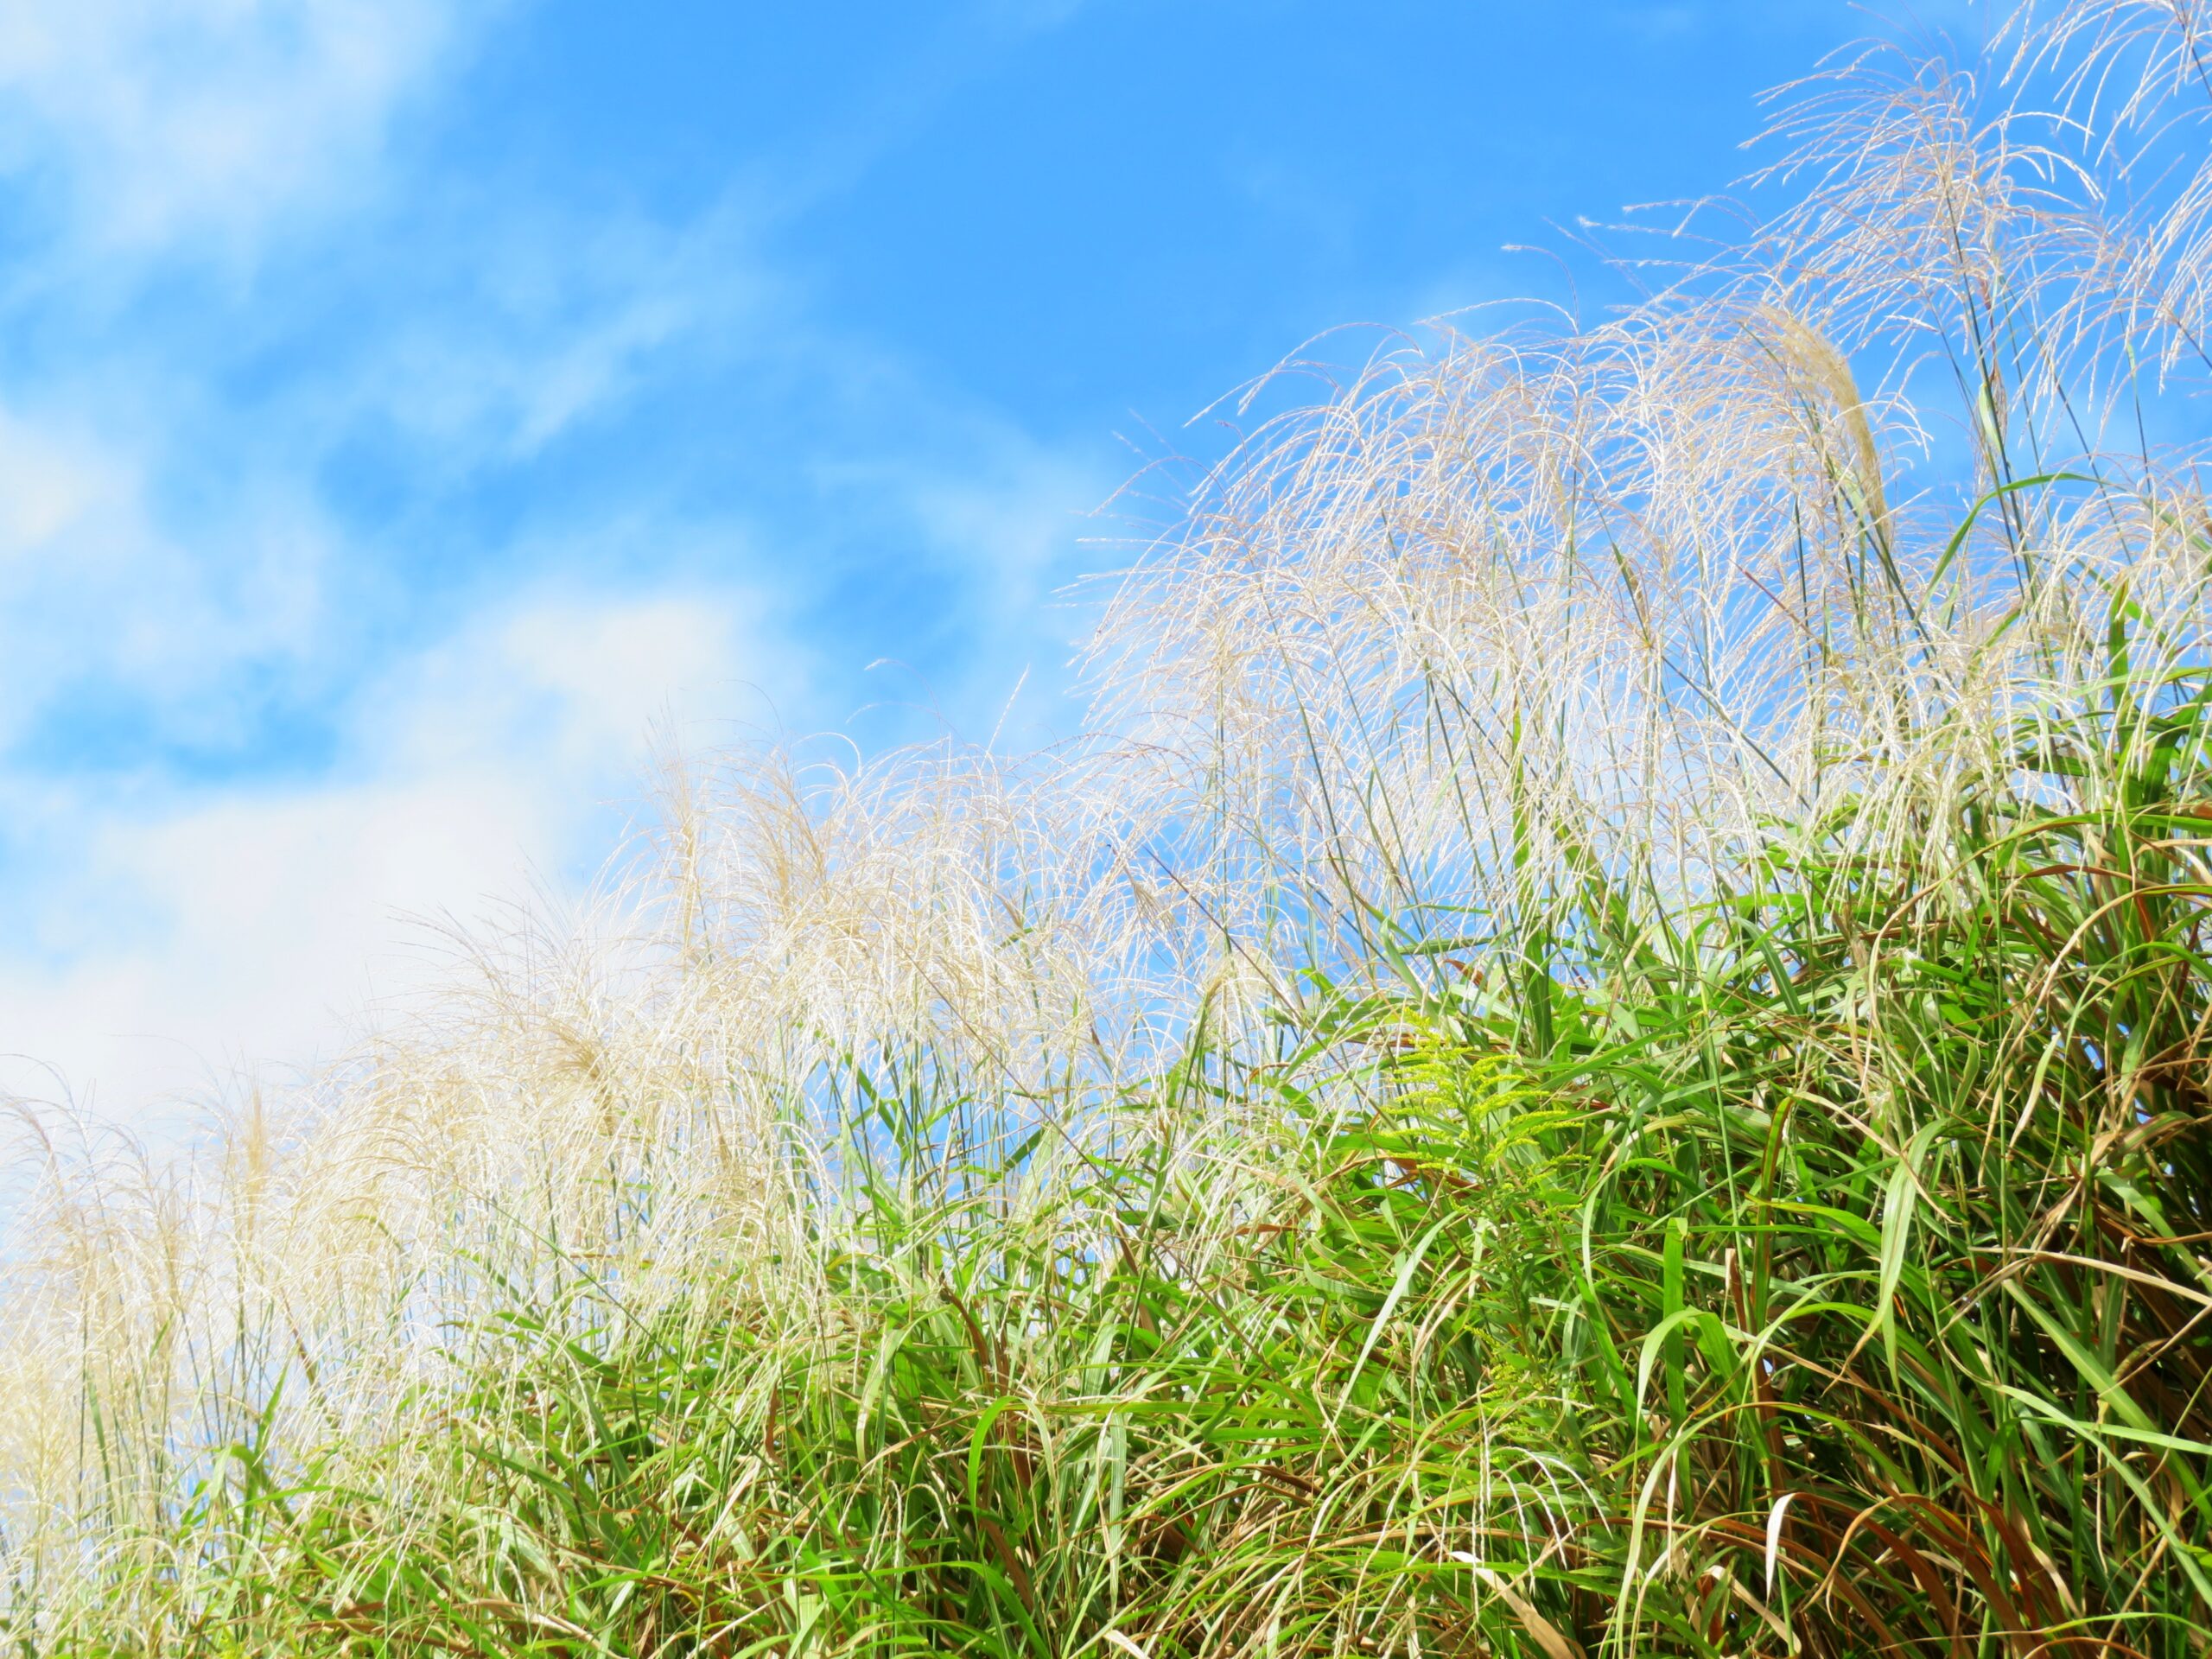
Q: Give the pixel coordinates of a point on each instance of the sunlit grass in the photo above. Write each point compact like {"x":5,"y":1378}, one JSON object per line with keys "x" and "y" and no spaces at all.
{"x":1606,"y":1053}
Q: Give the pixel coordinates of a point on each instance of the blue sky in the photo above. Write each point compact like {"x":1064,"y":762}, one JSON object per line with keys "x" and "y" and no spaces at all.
{"x":404,"y":402}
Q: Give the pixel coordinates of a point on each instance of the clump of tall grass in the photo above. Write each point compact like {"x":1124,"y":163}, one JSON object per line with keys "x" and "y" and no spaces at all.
{"x":1606,"y":1052}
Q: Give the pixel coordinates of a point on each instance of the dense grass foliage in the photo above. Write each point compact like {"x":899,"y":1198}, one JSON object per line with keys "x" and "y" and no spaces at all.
{"x":1828,"y":1277}
{"x":1607,"y":1052}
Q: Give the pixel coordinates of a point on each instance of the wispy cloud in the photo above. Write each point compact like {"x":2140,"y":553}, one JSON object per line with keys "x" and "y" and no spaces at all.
{"x":341,"y":576}
{"x":171,"y":125}
{"x":98,"y":591}
{"x":1005,"y":532}
{"x":524,"y":324}
{"x":164,"y":935}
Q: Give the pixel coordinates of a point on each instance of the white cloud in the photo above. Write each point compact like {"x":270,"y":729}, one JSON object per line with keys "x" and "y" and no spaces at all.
{"x":48,"y":483}
{"x":541,"y":324}
{"x":163,"y":943}
{"x":1005,"y":519}
{"x":176,"y":549}
{"x":167,"y":551}
{"x":1014,"y":525}
{"x":96,"y":589}
{"x":159,"y":555}
{"x":160,"y":120}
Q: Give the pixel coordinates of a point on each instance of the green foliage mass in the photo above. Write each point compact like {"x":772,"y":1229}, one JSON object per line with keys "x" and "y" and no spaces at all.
{"x":1824,"y":1274}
